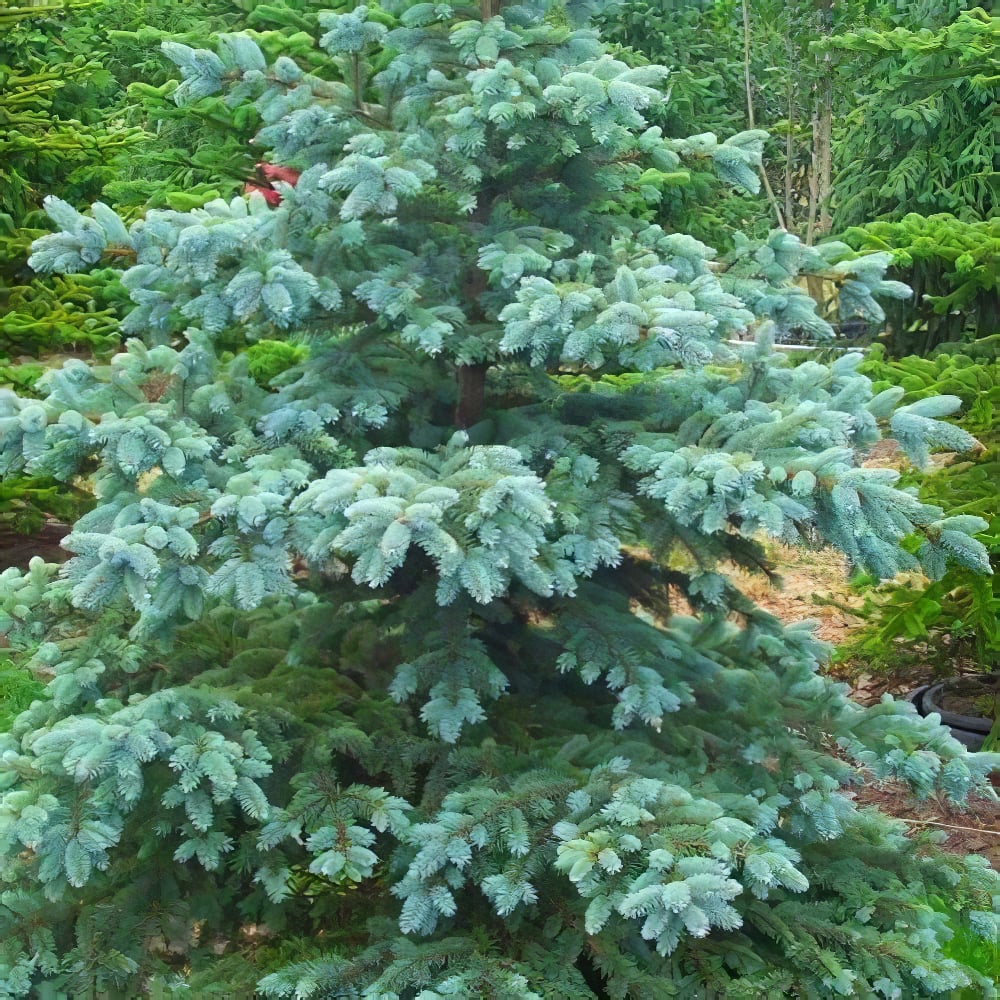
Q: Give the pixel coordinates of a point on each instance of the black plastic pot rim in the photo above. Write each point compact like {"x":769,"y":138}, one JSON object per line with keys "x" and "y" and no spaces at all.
{"x":971,"y":723}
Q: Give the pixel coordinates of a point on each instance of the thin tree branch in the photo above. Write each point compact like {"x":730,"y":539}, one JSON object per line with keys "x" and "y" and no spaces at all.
{"x":950,"y":826}
{"x":772,"y":200}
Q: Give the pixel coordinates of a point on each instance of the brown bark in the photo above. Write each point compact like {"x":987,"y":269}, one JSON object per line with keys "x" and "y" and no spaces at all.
{"x":815,"y":286}
{"x":472,"y":378}
{"x":821,"y":173}
{"x":819,"y":178}
{"x":471,"y":395}
{"x":824,"y":152}
{"x":789,"y":142}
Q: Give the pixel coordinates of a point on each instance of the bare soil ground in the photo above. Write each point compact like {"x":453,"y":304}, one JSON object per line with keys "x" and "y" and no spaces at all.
{"x":973,"y":830}
{"x":811,"y":580}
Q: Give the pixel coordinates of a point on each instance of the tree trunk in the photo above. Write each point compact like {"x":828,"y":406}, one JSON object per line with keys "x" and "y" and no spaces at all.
{"x":789,"y":142}
{"x":471,"y":395}
{"x":751,"y":120}
{"x":472,"y":378}
{"x":824,"y":152}
{"x":821,"y":172}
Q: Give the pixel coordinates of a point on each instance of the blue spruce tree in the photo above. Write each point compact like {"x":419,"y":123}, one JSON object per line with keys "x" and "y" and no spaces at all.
{"x":398,"y":657}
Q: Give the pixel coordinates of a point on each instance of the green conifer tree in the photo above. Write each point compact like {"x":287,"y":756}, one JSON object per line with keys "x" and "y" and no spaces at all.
{"x":53,"y":129}
{"x":412,"y":646}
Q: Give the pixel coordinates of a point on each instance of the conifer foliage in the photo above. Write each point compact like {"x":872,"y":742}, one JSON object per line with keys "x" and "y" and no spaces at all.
{"x":411,"y":640}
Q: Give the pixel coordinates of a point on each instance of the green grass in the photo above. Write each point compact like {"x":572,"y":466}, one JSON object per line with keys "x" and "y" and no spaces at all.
{"x":969,"y":949}
{"x":18,"y":689}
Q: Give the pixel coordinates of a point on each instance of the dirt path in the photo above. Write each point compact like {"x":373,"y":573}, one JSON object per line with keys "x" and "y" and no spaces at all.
{"x":811,"y":580}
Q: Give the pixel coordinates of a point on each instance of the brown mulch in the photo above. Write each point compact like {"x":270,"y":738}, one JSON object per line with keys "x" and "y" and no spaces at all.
{"x":813,"y":585}
{"x":18,"y":550}
{"x":973,"y":830}
{"x":867,"y":689}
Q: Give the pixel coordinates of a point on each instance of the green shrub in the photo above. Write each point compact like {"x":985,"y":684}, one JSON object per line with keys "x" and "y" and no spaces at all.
{"x":267,"y":359}
{"x":18,"y":689}
{"x":969,"y":948}
{"x":953,"y":267}
{"x":953,"y":621}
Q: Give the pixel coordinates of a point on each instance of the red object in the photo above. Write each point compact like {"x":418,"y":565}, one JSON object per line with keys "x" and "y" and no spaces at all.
{"x":265,"y":174}
{"x":270,"y":195}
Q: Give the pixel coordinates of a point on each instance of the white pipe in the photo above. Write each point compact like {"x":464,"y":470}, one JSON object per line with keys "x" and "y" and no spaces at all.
{"x":793,"y":347}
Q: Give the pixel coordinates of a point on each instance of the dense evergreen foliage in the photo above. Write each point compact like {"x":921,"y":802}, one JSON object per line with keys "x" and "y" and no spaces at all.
{"x":68,"y":123}
{"x":923,"y":136}
{"x":401,"y":631}
{"x":57,"y":126}
{"x":952,"y":623}
{"x":953,"y":268}
{"x":84,"y":105}
{"x":57,"y":129}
